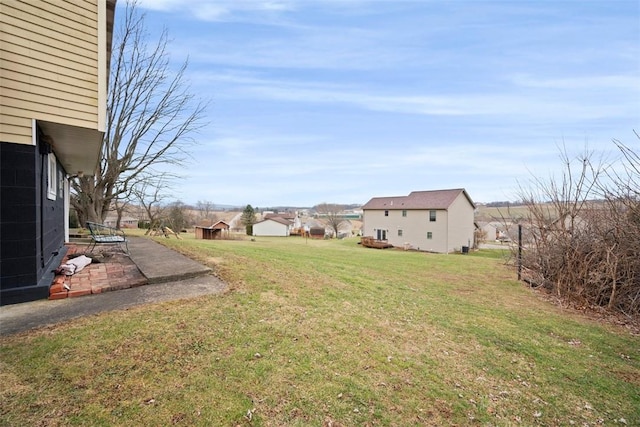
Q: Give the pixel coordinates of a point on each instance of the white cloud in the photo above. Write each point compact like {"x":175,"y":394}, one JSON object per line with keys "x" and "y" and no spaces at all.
{"x":342,"y":100}
{"x":221,"y":10}
{"x":509,"y":102}
{"x":630,"y":83}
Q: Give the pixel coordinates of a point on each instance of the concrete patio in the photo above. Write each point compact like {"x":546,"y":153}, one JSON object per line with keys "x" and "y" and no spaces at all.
{"x":151,"y":273}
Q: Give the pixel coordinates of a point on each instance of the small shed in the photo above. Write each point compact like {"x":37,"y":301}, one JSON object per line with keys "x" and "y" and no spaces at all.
{"x":207,"y":231}
{"x":317,"y":232}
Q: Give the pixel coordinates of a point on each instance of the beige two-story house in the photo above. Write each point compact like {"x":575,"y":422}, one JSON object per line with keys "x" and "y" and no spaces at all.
{"x":434,"y":221}
{"x":54,"y":57}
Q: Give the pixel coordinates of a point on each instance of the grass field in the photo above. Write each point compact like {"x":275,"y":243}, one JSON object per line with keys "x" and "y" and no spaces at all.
{"x":329,"y":333}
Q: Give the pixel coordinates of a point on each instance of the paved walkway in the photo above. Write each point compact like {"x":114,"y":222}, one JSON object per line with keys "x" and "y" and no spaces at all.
{"x":161,"y":264}
{"x":167,"y":274}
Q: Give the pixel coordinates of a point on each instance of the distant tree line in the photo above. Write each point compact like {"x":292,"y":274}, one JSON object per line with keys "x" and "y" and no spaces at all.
{"x":501,"y":204}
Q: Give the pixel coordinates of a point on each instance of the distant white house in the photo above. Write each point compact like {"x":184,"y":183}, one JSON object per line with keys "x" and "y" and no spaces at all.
{"x":293,"y":218}
{"x":495,"y":230}
{"x":274,"y":226}
{"x":435,"y":221}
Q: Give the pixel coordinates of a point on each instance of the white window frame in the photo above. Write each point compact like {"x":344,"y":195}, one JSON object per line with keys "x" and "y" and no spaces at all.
{"x":52,"y":177}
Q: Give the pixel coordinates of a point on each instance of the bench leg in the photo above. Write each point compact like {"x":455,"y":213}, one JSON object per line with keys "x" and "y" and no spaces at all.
{"x":91,"y":247}
{"x":126,"y":247}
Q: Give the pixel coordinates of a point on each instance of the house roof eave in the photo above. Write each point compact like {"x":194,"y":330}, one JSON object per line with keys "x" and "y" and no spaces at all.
{"x":417,"y":200}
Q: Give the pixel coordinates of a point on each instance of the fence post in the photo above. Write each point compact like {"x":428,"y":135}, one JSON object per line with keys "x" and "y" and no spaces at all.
{"x":519,"y":251}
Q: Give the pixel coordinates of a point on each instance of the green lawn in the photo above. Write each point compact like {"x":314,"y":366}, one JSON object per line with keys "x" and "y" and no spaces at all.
{"x":329,"y":333}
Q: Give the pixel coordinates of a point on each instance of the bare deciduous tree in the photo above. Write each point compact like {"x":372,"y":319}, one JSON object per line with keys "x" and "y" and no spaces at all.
{"x":330,"y":214}
{"x":120,"y":206}
{"x":151,"y":193}
{"x":178,"y":216}
{"x":205,"y":209}
{"x":151,"y":116}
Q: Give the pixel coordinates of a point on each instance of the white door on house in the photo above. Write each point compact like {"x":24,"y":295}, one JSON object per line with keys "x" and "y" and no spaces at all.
{"x":382,"y":235}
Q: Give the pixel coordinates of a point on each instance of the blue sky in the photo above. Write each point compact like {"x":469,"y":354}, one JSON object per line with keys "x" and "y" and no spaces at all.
{"x":342,"y":100}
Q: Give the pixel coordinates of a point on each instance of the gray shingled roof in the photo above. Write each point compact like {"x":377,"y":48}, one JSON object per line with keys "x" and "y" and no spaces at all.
{"x":277,"y":219}
{"x":434,"y":199}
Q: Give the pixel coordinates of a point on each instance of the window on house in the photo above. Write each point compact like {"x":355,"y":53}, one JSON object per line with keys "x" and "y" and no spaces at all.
{"x":404,"y":213}
{"x":52,"y":177}
{"x":432,"y":216}
{"x":386,"y":213}
{"x":429,"y":235}
{"x":399,"y":233}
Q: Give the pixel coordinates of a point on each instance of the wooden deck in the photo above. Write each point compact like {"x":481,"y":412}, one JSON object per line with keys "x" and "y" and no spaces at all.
{"x":370,"y":242}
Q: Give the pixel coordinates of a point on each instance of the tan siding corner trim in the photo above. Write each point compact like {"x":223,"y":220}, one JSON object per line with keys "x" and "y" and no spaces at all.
{"x":34,"y":133}
{"x":103,"y":72}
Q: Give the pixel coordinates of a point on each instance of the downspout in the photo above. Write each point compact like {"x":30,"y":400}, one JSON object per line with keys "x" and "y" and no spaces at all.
{"x":66,"y":209}
{"x":44,"y":148}
{"x":42,"y":190}
{"x":40,"y":149}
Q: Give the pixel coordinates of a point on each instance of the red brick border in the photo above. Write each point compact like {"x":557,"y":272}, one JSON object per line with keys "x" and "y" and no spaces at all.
{"x":117,"y":272}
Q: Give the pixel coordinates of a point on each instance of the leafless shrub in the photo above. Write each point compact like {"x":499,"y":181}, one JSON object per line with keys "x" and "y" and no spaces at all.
{"x":583,"y":232}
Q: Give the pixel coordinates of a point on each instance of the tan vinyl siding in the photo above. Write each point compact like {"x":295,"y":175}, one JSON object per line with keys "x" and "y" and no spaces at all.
{"x":414,"y":228}
{"x":15,"y":128}
{"x":419,"y":225}
{"x":58,"y":20}
{"x":46,"y":83}
{"x":49,"y":67}
{"x":53,"y":106}
{"x":452,"y":229}
{"x":439,"y":227}
{"x":461,"y":223}
{"x":70,"y":64}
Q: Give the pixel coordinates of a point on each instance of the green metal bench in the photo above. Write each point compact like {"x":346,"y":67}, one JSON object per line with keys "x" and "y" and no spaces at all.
{"x":105,"y":235}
